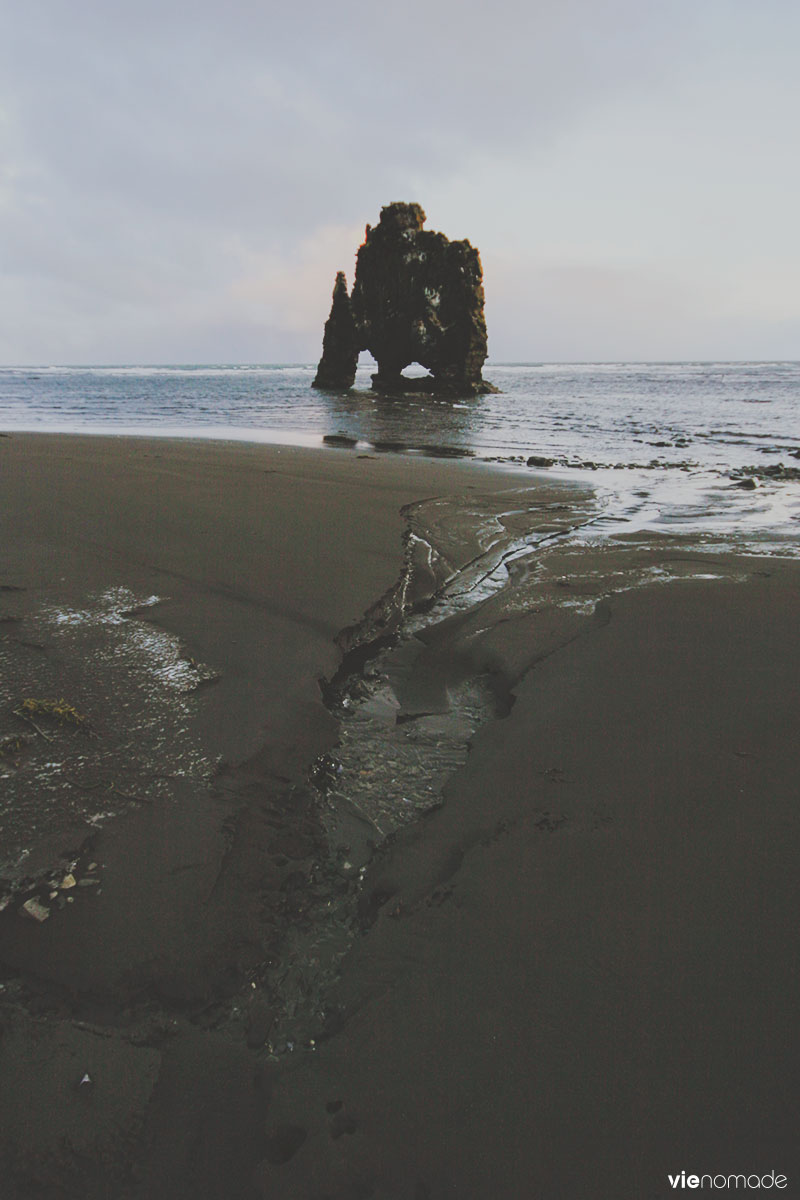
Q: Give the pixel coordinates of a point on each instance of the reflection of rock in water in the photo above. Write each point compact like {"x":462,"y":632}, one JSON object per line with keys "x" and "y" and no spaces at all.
{"x":417,"y":298}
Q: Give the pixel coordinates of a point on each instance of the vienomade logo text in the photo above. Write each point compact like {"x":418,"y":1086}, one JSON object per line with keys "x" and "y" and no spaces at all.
{"x":732,"y":1182}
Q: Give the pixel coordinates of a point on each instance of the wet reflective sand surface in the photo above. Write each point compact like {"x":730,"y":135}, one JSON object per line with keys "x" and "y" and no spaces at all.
{"x":409,"y":803}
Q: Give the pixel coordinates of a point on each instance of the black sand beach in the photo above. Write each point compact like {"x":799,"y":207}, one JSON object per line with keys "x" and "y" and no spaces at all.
{"x":575,"y":974}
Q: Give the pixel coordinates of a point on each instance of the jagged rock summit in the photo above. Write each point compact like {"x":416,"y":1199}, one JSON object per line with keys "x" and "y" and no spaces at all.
{"x":337,"y":367}
{"x":417,"y":298}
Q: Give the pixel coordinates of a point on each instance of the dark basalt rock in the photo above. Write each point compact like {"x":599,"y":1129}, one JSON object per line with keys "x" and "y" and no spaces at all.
{"x":337,"y":367}
{"x":417,"y":298}
{"x":342,"y":440}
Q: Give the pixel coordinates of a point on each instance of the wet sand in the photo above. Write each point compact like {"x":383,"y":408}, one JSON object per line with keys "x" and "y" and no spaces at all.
{"x":575,"y":975}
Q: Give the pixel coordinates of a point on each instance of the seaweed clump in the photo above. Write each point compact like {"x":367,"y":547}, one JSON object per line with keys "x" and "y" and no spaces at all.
{"x":58,"y":710}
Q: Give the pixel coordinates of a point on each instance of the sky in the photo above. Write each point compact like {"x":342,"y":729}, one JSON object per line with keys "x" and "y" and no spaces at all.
{"x":180,"y":182}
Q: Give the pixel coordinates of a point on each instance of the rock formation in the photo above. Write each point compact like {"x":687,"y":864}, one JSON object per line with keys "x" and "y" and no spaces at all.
{"x":417,"y":298}
{"x":337,"y":367}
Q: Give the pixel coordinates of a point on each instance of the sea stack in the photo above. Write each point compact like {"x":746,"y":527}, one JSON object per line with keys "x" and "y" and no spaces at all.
{"x":337,"y":367}
{"x":417,"y":298}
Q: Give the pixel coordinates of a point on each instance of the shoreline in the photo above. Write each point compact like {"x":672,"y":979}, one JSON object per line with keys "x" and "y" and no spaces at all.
{"x":755,"y":506}
{"x":261,"y":603}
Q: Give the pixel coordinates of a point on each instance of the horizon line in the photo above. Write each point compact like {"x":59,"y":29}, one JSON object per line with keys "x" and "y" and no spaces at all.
{"x":311,"y":365}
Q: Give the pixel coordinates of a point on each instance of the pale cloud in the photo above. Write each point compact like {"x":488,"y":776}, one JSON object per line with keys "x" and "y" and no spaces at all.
{"x":178,"y":180}
{"x":591,"y":312}
{"x":292,"y":291}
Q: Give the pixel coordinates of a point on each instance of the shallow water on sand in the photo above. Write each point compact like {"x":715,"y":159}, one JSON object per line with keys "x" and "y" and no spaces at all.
{"x":131,"y":737}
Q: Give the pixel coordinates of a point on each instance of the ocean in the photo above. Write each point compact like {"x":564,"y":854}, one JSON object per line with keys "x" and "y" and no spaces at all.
{"x":668,"y":445}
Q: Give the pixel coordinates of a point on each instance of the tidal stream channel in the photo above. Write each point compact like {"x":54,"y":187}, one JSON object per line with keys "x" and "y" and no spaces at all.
{"x":490,"y":585}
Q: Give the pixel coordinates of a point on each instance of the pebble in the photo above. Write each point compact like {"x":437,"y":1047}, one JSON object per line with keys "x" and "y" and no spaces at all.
{"x":35,"y":909}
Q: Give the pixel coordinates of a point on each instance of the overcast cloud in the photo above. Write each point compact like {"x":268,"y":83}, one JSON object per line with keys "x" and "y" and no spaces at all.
{"x":180,"y":182}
